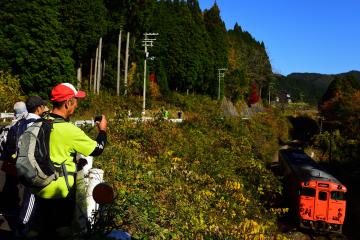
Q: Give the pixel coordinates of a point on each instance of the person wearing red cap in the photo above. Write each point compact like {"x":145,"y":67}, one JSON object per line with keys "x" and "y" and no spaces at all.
{"x":56,"y":201}
{"x":65,"y":91}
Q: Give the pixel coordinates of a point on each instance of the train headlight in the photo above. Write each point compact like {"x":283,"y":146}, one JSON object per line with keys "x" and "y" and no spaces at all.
{"x":339,"y":187}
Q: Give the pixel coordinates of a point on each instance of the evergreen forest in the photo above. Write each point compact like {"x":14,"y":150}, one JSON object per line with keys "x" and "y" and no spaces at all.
{"x":45,"y":42}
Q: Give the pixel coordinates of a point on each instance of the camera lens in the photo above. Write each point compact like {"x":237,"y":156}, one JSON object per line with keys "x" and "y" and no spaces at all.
{"x":98,"y":118}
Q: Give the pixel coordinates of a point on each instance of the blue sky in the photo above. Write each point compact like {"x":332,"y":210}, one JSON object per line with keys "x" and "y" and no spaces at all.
{"x":320,"y":36}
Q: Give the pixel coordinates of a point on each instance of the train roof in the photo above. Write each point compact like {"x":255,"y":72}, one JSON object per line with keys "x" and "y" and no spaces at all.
{"x":305,"y":168}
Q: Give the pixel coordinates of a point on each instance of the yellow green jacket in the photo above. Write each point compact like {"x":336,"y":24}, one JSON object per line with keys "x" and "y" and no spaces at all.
{"x":66,"y":140}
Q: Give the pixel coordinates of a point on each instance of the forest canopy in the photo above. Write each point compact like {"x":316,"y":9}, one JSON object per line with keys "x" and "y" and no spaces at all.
{"x":44,"y":42}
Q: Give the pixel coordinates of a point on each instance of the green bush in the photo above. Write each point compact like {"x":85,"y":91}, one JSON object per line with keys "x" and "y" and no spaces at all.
{"x":10,"y":91}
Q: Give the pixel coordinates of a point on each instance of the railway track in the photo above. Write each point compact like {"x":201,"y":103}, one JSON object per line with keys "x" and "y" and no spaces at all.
{"x":327,"y":236}
{"x":304,"y":234}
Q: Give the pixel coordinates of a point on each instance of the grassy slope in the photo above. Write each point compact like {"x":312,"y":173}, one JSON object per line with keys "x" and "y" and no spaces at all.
{"x":205,"y":178}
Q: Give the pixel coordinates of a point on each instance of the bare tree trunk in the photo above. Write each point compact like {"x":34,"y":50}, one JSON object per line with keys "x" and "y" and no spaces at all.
{"x":96,"y":68}
{"x":126,"y":62}
{"x":103,"y":70}
{"x":99,"y":68}
{"x":91,"y":72}
{"x":118,"y":66}
{"x":99,"y":79}
{"x":79,"y":76}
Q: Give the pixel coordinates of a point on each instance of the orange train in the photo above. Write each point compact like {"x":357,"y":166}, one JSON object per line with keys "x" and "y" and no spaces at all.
{"x":317,"y":197}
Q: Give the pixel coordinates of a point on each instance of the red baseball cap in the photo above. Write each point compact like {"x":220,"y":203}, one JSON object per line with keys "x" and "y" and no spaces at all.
{"x":65,"y":91}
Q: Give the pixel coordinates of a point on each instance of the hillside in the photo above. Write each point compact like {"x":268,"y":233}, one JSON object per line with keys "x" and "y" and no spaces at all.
{"x":308,"y":87}
{"x":248,"y":64}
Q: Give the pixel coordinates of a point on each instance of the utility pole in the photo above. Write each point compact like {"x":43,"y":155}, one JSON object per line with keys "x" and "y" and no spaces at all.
{"x":147,"y":42}
{"x":221,"y":74}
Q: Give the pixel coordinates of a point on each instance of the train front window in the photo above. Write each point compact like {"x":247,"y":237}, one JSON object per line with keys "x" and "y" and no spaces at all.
{"x":323,"y":196}
{"x":336,"y":195}
{"x":306,"y":191}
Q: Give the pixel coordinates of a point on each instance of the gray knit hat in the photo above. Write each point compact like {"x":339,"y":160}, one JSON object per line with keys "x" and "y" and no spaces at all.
{"x":19,"y":109}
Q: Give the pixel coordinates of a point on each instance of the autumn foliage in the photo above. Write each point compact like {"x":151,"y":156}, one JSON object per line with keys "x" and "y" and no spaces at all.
{"x":254,"y":97}
{"x":341,"y":104}
{"x":340,"y":110}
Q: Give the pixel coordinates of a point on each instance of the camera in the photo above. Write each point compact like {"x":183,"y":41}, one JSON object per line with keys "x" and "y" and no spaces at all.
{"x":98,"y":118}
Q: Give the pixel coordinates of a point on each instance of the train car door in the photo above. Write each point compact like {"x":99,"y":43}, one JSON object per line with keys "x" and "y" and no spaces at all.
{"x":337,"y":207}
{"x":321,"y":204}
{"x":307,"y":202}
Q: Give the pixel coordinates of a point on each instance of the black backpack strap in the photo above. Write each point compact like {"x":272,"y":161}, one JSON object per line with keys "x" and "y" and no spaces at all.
{"x":63,"y":167}
{"x":58,"y":120}
{"x":62,"y":171}
{"x":51,"y":120}
{"x":30,"y":120}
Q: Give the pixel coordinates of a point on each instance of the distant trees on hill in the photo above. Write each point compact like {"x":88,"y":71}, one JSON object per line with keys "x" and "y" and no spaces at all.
{"x":340,"y":111}
{"x":340,"y":105}
{"x":309,"y":87}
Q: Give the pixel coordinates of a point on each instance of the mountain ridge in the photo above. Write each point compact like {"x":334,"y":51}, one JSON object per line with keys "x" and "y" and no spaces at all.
{"x":356,"y":72}
{"x":309,"y":86}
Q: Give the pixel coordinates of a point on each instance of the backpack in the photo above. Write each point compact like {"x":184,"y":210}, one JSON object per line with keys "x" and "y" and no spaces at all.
{"x":12,"y":138}
{"x":34,"y":166}
{"x":9,"y":144}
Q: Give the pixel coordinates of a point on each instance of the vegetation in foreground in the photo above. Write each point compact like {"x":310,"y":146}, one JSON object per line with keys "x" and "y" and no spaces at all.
{"x":203,"y":179}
